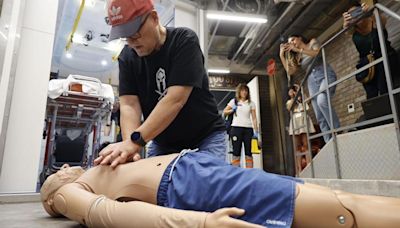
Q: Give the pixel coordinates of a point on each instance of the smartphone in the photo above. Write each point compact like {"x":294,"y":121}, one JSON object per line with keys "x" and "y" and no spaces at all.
{"x":356,"y":13}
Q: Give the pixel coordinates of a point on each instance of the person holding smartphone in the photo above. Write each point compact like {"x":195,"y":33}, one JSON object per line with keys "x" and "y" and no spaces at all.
{"x":299,"y":53}
{"x":365,"y":38}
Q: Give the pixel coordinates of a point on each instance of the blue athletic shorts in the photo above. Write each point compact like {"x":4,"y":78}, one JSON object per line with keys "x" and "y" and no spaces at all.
{"x":201,"y":182}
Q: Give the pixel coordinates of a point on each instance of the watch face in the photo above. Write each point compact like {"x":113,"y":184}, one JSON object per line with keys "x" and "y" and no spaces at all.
{"x":135,"y":136}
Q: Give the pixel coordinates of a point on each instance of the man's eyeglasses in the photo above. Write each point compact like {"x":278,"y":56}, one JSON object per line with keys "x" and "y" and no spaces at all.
{"x":137,"y":34}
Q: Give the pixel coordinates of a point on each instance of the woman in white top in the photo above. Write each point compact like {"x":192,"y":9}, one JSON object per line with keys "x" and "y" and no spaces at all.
{"x":244,"y":124}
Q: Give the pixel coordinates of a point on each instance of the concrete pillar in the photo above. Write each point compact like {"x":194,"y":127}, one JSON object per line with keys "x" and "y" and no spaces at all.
{"x":20,"y":163}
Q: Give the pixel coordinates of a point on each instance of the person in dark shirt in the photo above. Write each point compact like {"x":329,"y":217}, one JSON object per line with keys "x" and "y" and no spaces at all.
{"x":365,"y":38}
{"x":162,"y":77}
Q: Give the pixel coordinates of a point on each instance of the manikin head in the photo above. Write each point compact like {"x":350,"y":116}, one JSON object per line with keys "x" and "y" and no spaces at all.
{"x":138,"y":23}
{"x":55,"y":181}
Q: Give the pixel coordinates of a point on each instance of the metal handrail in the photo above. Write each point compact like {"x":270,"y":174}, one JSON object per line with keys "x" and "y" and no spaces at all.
{"x":391,"y":91}
{"x":312,"y":65}
{"x":375,"y":62}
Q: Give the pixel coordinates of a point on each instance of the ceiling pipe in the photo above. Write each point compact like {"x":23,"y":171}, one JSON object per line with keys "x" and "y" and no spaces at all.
{"x":252,"y":29}
{"x":264,"y":37}
{"x":216,"y":26}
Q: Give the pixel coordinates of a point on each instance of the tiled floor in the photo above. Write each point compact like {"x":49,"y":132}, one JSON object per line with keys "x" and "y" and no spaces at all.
{"x":32,"y":215}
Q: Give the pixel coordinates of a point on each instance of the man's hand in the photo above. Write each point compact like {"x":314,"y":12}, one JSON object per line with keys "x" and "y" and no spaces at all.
{"x":221,"y":219}
{"x":118,"y":153}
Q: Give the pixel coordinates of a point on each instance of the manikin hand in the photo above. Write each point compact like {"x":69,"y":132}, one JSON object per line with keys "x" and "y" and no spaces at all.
{"x":221,"y":219}
{"x":118,"y":153}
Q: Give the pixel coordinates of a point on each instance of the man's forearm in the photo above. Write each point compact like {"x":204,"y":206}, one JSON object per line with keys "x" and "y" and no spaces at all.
{"x":160,"y":118}
{"x":130,"y":121}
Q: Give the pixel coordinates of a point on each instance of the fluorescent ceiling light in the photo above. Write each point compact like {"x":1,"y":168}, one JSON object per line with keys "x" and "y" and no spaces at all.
{"x":219,"y":71}
{"x":104,"y":62}
{"x":113,"y":46}
{"x":238,"y":17}
{"x":90,"y":3}
{"x":68,"y":55}
{"x":78,"y":38}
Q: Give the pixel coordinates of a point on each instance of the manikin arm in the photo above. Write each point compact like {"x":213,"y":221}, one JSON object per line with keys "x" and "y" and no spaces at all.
{"x":73,"y":201}
{"x":316,"y":206}
{"x":92,"y":210}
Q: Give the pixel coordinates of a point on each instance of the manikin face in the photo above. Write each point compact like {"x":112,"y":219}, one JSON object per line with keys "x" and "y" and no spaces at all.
{"x":64,"y":176}
{"x":145,"y":41}
{"x":73,"y":171}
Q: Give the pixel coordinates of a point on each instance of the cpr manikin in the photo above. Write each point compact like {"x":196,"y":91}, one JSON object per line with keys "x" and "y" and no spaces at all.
{"x":128,"y":196}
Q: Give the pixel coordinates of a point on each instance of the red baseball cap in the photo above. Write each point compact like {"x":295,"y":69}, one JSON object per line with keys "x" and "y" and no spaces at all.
{"x":125,"y":16}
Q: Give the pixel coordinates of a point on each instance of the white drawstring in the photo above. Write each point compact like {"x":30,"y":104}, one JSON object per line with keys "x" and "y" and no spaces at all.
{"x":181,"y":154}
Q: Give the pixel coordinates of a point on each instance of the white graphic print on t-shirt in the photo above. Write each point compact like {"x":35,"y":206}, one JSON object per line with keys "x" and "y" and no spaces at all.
{"x":161,"y":83}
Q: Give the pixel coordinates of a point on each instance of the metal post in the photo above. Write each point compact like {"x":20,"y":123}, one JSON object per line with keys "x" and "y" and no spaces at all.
{"x":387,"y":73}
{"x":96,"y":139}
{"x":52,"y":135}
{"x":309,"y":151}
{"x":335,"y":147}
{"x":294,"y":143}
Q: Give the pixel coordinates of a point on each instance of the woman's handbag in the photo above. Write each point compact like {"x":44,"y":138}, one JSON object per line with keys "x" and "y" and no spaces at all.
{"x":368,"y":74}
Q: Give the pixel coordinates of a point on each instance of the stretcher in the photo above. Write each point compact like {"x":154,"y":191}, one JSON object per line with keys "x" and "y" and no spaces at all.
{"x":76,"y":104}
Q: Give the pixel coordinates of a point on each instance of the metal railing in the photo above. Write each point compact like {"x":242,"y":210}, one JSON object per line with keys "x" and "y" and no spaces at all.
{"x":334,"y":131}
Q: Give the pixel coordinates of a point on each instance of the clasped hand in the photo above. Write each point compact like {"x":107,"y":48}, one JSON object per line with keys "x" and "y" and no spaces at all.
{"x":118,"y":153}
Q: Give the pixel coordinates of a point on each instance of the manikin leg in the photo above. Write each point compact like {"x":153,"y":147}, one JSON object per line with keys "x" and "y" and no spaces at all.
{"x":318,"y":206}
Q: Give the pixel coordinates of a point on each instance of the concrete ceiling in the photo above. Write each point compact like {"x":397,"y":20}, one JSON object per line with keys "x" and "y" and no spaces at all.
{"x":244,"y":48}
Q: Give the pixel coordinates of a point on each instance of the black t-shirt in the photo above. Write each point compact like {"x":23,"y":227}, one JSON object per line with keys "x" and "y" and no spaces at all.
{"x":178,"y":62}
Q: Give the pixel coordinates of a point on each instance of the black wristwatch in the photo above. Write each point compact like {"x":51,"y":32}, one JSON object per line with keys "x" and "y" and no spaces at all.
{"x":136,"y":138}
